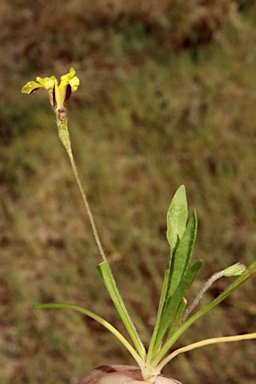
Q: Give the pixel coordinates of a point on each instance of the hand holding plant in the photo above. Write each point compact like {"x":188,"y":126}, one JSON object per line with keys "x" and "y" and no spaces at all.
{"x":173,"y":317}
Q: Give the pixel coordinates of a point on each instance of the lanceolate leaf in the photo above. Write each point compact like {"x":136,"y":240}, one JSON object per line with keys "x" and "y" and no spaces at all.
{"x":109,"y":282}
{"x":177,"y":217}
{"x":239,"y":281}
{"x":174,"y":302}
{"x":176,"y":223}
{"x":183,"y":254}
{"x":162,"y":303}
{"x":178,"y":315}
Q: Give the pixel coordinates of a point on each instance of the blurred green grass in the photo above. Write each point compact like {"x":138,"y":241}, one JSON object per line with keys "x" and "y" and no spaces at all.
{"x":147,"y":118}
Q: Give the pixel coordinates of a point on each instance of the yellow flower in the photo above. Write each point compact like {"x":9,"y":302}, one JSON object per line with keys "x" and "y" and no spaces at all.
{"x":59,"y":93}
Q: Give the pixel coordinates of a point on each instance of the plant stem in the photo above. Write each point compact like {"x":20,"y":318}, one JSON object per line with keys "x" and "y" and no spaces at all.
{"x":65,"y":139}
{"x":237,"y":268}
{"x":87,"y":206}
{"x":105,"y":272}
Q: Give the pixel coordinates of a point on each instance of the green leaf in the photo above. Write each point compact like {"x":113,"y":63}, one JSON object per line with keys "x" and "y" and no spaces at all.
{"x":182,"y":256}
{"x":100,"y":320}
{"x":178,"y":315}
{"x":174,"y":302}
{"x":177,"y":217}
{"x":176,"y":223}
{"x":109,"y":282}
{"x":232,"y":287}
{"x":162,"y":303}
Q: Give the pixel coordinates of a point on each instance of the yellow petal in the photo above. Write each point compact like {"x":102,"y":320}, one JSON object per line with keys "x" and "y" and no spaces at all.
{"x":75,"y":82}
{"x":60,"y":94}
{"x":31,"y":86}
{"x":63,"y":91}
{"x":46,"y":82}
{"x":40,"y":80}
{"x":66,"y":78}
{"x":49,"y":83}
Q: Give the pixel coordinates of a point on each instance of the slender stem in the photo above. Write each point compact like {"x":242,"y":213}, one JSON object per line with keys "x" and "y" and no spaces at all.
{"x":87,"y":206}
{"x":202,"y":343}
{"x":233,"y":270}
{"x":209,"y":282}
{"x":62,"y":124}
{"x":104,"y":268}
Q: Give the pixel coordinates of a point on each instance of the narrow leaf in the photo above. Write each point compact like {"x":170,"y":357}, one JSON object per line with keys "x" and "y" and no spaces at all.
{"x":100,"y":320}
{"x":174,"y":302}
{"x":110,"y":284}
{"x":233,"y":286}
{"x":176,"y":223}
{"x":178,"y":316}
{"x":162,"y":302}
{"x":183,"y":253}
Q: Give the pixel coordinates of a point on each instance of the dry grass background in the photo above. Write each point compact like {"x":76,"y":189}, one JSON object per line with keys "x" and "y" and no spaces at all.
{"x":167,"y":97}
{"x":39,"y":35}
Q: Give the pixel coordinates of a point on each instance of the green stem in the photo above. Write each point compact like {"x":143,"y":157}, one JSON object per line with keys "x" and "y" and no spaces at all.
{"x":104,"y":267}
{"x":87,"y":206}
{"x":65,"y":139}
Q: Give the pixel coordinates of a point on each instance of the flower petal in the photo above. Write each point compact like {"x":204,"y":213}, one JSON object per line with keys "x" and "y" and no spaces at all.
{"x":46,"y":82}
{"x":66,"y":78}
{"x":31,"y":86}
{"x":68,"y":84}
{"x":49,"y":83}
{"x":75,"y":82}
{"x":60,"y":94}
